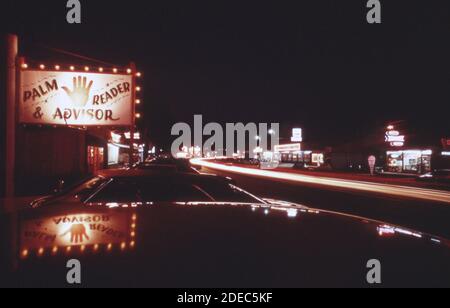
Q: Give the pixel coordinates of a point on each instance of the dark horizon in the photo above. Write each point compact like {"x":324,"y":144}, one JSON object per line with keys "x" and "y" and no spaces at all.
{"x":317,"y":65}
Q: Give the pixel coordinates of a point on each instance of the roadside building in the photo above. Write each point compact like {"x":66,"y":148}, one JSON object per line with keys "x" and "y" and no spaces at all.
{"x":64,"y":117}
{"x":414,"y":153}
{"x":399,"y":150}
{"x":294,"y":155}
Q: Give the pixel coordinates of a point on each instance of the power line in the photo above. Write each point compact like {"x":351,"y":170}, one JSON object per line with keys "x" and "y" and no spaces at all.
{"x":72,"y":54}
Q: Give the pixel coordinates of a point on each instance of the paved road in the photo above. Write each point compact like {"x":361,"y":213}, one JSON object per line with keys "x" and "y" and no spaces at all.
{"x":425,"y":216}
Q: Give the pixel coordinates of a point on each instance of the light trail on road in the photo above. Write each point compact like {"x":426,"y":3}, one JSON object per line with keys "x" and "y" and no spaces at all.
{"x":386,"y":189}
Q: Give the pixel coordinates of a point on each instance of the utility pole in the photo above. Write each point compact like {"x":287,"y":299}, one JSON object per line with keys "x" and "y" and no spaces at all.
{"x":12,"y":50}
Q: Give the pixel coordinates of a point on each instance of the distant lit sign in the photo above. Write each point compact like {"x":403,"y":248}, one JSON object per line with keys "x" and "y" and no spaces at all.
{"x":76,"y":99}
{"x":116,"y":137}
{"x":297,"y":135}
{"x":397,"y":144}
{"x":394,"y":138}
{"x":286,"y":148}
{"x":137,"y":136}
{"x":258,"y":150}
{"x":393,"y":133}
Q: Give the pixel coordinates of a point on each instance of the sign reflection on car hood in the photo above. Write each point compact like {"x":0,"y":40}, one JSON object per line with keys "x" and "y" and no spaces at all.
{"x":77,"y":233}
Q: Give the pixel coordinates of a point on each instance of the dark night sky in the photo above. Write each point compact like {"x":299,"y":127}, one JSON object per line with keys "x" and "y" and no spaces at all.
{"x":317,"y":63}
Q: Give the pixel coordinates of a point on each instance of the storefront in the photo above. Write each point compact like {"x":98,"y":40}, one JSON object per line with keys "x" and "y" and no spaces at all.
{"x":58,"y":118}
{"x":409,"y":161}
{"x":293,"y":154}
{"x":65,"y":135}
{"x":119,"y":149}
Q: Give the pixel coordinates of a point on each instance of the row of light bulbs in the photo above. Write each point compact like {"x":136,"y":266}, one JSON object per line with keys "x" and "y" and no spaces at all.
{"x":25,"y":253}
{"x":86,"y":69}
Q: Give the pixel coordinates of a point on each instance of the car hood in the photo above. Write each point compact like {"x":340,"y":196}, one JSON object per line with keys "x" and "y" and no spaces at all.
{"x":215,"y":245}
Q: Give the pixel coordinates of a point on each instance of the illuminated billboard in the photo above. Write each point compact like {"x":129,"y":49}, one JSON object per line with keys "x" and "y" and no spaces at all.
{"x":394,"y":138}
{"x":75,"y":99}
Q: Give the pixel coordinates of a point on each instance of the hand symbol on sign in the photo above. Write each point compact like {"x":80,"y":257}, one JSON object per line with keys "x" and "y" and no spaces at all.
{"x":80,"y":92}
{"x":77,"y":234}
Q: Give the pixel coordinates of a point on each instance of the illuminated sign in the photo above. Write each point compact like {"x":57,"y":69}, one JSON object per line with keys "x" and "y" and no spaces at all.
{"x":397,"y":144}
{"x":283,"y":148}
{"x":297,"y":135}
{"x":394,"y":138}
{"x":393,"y":133}
{"x":76,"y":99}
{"x":116,"y":137}
{"x":77,"y":230}
{"x":318,"y":158}
{"x":137,"y":136}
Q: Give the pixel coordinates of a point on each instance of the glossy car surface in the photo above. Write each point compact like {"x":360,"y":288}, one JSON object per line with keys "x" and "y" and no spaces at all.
{"x":178,"y":165}
{"x":209,"y":243}
{"x":154,"y":185}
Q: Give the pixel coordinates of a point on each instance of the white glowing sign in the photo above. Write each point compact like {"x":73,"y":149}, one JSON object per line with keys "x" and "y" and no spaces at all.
{"x":397,"y":144}
{"x":394,"y":138}
{"x":297,"y":135}
{"x":137,"y":136}
{"x":76,"y":99}
{"x":116,"y":137}
{"x":286,"y":148}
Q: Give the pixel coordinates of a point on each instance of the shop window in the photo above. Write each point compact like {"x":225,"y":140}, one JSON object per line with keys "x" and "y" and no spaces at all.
{"x":318,"y":159}
{"x":291,"y":158}
{"x":415,"y":162}
{"x":426,"y":164}
{"x":412,"y":161}
{"x":395,"y":162}
{"x":113,"y":154}
{"x":95,"y":159}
